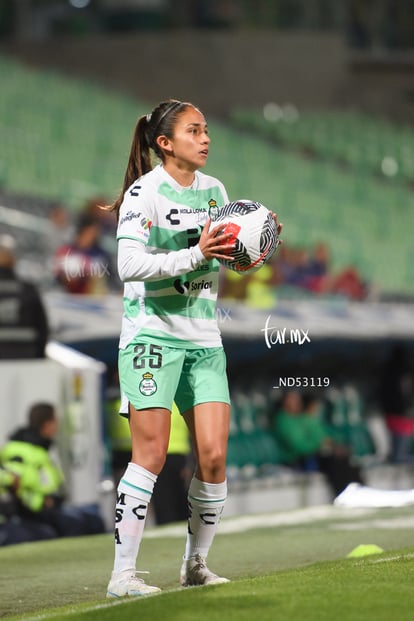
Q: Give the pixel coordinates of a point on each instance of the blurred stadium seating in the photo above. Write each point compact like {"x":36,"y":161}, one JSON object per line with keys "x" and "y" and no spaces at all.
{"x":61,"y":139}
{"x":365,"y":144}
{"x":66,"y":140}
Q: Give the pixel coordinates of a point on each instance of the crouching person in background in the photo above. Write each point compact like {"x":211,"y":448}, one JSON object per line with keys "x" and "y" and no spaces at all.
{"x":39,"y":491}
{"x":15,"y":528}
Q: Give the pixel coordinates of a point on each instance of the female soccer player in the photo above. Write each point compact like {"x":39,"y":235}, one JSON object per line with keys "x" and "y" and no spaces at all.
{"x":170,"y":345}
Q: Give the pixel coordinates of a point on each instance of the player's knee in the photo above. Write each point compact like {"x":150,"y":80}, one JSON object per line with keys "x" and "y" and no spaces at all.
{"x":152,"y":457}
{"x":213,"y":462}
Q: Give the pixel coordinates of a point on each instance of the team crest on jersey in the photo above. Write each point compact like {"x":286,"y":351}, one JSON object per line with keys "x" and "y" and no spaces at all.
{"x":148,"y":386}
{"x":213,"y":208}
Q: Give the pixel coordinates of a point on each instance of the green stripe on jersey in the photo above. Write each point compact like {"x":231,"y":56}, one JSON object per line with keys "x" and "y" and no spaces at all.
{"x":131,"y":307}
{"x":189,"y":197}
{"x":168,"y":239}
{"x":186,"y":306}
{"x":159,"y":336}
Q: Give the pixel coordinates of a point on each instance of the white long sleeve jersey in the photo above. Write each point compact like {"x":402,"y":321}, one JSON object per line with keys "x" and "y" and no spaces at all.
{"x":170,"y":290}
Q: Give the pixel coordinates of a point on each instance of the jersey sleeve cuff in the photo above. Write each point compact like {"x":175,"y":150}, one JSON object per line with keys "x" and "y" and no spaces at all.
{"x":198,"y":256}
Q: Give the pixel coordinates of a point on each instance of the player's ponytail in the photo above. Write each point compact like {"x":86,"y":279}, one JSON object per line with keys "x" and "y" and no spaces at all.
{"x":139,"y":161}
{"x":159,"y":122}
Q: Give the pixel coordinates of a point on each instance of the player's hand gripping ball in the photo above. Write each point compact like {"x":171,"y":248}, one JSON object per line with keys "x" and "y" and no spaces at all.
{"x":253,"y":231}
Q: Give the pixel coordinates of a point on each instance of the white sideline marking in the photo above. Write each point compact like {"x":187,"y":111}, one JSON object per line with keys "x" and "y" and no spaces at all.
{"x":248,"y":522}
{"x":389,"y":523}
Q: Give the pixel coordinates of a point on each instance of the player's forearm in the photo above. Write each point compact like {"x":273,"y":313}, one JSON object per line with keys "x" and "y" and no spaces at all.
{"x":135,"y":264}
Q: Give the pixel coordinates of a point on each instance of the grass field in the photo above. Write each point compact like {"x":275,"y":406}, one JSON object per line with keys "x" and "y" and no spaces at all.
{"x":286,"y":566}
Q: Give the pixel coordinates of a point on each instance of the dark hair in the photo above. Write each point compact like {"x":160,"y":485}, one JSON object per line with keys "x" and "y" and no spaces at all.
{"x":160,"y":122}
{"x":85,"y":221}
{"x":39,"y":414}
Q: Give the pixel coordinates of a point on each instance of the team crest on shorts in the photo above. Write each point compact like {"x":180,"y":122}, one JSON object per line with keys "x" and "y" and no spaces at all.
{"x":147,"y":386}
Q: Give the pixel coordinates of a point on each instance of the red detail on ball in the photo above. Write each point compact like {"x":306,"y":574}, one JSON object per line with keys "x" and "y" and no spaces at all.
{"x":234,"y":229}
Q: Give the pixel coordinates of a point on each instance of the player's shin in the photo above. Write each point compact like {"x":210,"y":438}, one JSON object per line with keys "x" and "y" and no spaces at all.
{"x":206,"y":502}
{"x":134,"y":494}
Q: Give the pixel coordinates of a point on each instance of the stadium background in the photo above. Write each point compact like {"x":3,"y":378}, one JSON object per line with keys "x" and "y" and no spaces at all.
{"x":310,"y":105}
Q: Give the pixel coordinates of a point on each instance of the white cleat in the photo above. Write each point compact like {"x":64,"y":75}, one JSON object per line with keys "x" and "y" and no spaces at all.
{"x":127,"y":584}
{"x":195,"y":572}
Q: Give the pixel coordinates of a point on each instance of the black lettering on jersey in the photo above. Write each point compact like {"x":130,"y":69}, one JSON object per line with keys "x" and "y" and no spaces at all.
{"x":193,"y":237}
{"x":134,"y":190}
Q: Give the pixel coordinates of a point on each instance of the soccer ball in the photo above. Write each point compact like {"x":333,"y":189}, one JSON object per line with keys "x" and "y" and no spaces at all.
{"x":254,"y":233}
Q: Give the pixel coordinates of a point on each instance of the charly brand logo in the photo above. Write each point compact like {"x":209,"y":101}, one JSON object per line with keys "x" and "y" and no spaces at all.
{"x":282,"y":336}
{"x":170,"y":217}
{"x":147,"y":385}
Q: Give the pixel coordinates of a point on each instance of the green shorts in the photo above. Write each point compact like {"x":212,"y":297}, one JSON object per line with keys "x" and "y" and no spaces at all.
{"x":153,"y":376}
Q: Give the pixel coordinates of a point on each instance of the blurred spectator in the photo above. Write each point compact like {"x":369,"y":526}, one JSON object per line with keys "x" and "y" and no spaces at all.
{"x":232,"y":284}
{"x":349,"y":284}
{"x":299,"y":436}
{"x":306,"y":444}
{"x":396,"y":395}
{"x":299,"y":263}
{"x":312,"y":271}
{"x":260,"y":292}
{"x":61,"y":228}
{"x":96,"y":208}
{"x":84,"y":266}
{"x":40,"y":493}
{"x":294,"y":267}
{"x":23,"y":321}
{"x":358,"y":30}
{"x":318,"y":268}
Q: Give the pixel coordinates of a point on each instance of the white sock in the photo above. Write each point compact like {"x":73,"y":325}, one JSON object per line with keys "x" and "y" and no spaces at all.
{"x":205,"y":506}
{"x":134,"y":494}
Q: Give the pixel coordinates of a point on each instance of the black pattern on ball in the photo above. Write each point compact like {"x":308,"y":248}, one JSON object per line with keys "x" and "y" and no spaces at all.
{"x":268,"y":240}
{"x":236,"y":208}
{"x":254,"y":236}
{"x":240,"y":257}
